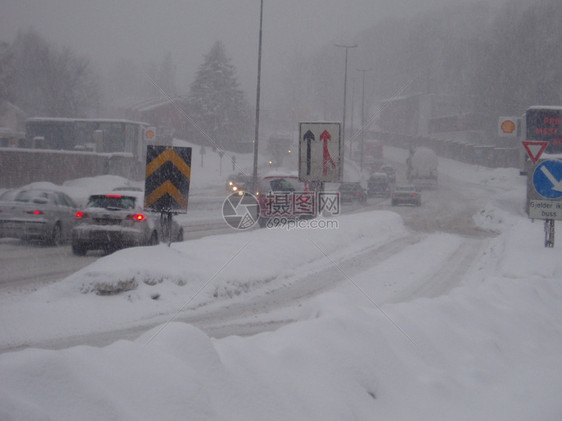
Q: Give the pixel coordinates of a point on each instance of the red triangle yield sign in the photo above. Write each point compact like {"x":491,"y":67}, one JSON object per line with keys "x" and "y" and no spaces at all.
{"x":534,"y":149}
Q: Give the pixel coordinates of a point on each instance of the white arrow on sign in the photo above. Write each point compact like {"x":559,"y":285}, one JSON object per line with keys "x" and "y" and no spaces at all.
{"x":557,"y":185}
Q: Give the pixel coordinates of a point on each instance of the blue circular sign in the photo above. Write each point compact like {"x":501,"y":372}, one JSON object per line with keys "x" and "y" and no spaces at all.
{"x":547,"y":179}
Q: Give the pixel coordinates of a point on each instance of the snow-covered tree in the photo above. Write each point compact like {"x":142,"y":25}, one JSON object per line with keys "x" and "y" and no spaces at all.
{"x":218,"y":111}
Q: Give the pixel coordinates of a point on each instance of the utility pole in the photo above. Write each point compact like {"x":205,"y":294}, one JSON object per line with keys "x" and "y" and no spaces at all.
{"x":351,"y":128}
{"x":347,"y":47}
{"x":256,"y":134}
{"x":363,"y":115}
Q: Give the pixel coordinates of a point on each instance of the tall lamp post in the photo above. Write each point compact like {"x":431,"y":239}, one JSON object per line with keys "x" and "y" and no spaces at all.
{"x":363,"y":114}
{"x":347,"y":47}
{"x":256,"y":134}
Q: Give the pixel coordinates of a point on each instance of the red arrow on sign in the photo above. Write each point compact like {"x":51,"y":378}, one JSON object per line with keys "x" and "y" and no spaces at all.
{"x":325,"y":137}
{"x":534,"y":149}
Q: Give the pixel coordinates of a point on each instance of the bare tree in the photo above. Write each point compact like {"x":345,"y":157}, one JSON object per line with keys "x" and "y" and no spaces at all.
{"x":49,"y":82}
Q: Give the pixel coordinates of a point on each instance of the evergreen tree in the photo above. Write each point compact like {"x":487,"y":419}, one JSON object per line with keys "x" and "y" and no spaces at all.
{"x":219,"y":113}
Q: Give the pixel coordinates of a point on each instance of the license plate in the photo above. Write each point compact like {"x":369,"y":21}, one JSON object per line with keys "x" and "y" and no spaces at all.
{"x":100,"y":236}
{"x":11,"y":225}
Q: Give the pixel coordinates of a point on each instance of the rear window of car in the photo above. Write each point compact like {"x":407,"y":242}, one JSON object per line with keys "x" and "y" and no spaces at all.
{"x":27,"y":196}
{"x":111,"y":202}
{"x":406,"y":188}
{"x":284,"y":185}
{"x":350,"y":186}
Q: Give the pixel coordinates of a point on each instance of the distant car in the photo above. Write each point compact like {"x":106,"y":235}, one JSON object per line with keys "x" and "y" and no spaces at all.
{"x":352,"y":191}
{"x":389,"y":171}
{"x":238,"y":182}
{"x":378,"y":185}
{"x":113,"y":221}
{"x":284,"y":197}
{"x":37,"y":214}
{"x":406,"y":195}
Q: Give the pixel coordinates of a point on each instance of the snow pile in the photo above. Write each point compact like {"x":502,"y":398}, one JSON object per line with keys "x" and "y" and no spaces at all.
{"x":487,"y":353}
{"x":237,"y":262}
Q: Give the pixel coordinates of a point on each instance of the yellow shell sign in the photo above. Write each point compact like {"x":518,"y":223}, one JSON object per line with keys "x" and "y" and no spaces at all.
{"x":150,"y":134}
{"x":508,"y":126}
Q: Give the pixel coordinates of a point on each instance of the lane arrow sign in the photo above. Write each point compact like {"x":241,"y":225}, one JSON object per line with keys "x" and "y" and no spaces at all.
{"x":308,"y":138}
{"x":534,"y":149}
{"x":325,"y":137}
{"x":556,"y":184}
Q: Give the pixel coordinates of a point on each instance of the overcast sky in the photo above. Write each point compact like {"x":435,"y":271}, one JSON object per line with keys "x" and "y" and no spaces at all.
{"x":144,"y":30}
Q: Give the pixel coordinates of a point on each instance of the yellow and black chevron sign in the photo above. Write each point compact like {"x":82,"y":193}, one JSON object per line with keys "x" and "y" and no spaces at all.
{"x":168,"y":171}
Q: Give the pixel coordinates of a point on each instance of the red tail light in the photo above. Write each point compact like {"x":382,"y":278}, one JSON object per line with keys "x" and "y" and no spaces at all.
{"x":35,"y":212}
{"x":81,"y":214}
{"x":137,"y":217}
{"x":113,"y":195}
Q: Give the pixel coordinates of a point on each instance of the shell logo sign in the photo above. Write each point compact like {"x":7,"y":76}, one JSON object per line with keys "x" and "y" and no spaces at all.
{"x":150,"y":133}
{"x":507,"y":127}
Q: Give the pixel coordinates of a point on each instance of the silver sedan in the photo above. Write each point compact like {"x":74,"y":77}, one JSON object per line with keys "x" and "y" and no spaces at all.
{"x":38,"y":214}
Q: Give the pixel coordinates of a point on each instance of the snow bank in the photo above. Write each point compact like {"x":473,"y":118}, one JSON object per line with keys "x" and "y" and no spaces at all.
{"x":486,"y":353}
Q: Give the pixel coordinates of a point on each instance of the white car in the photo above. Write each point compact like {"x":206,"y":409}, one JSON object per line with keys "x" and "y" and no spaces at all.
{"x":114,"y":220}
{"x":37,"y":214}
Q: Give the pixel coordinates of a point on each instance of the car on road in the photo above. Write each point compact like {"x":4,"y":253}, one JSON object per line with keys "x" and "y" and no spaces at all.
{"x":284,"y":197}
{"x":406,"y":194}
{"x":378,"y":185}
{"x":389,"y":171}
{"x":117,"y":220}
{"x":238,"y":182}
{"x":352,"y":192}
{"x":45,"y":215}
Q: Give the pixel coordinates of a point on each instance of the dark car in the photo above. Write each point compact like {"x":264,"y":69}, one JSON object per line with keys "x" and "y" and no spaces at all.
{"x":352,"y":191}
{"x":238,"y":182}
{"x":406,"y":195}
{"x":37,"y":214}
{"x":378,"y":185}
{"x":389,"y":171}
{"x":113,"y":221}
{"x":284,"y":197}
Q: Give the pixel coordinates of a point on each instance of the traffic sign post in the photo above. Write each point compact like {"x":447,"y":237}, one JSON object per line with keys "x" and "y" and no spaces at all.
{"x":320,"y":152}
{"x":166,"y":188}
{"x":544,"y":195}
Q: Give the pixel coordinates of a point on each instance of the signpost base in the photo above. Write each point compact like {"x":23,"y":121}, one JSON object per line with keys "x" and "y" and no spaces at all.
{"x":166,"y":224}
{"x":549,"y":233}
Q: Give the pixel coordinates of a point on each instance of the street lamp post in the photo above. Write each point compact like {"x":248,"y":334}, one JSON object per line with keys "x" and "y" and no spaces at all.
{"x":256,"y":134}
{"x":347,"y":47}
{"x":363,"y":114}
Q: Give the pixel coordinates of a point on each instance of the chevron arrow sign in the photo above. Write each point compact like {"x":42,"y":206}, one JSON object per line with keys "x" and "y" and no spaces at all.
{"x":168,"y":171}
